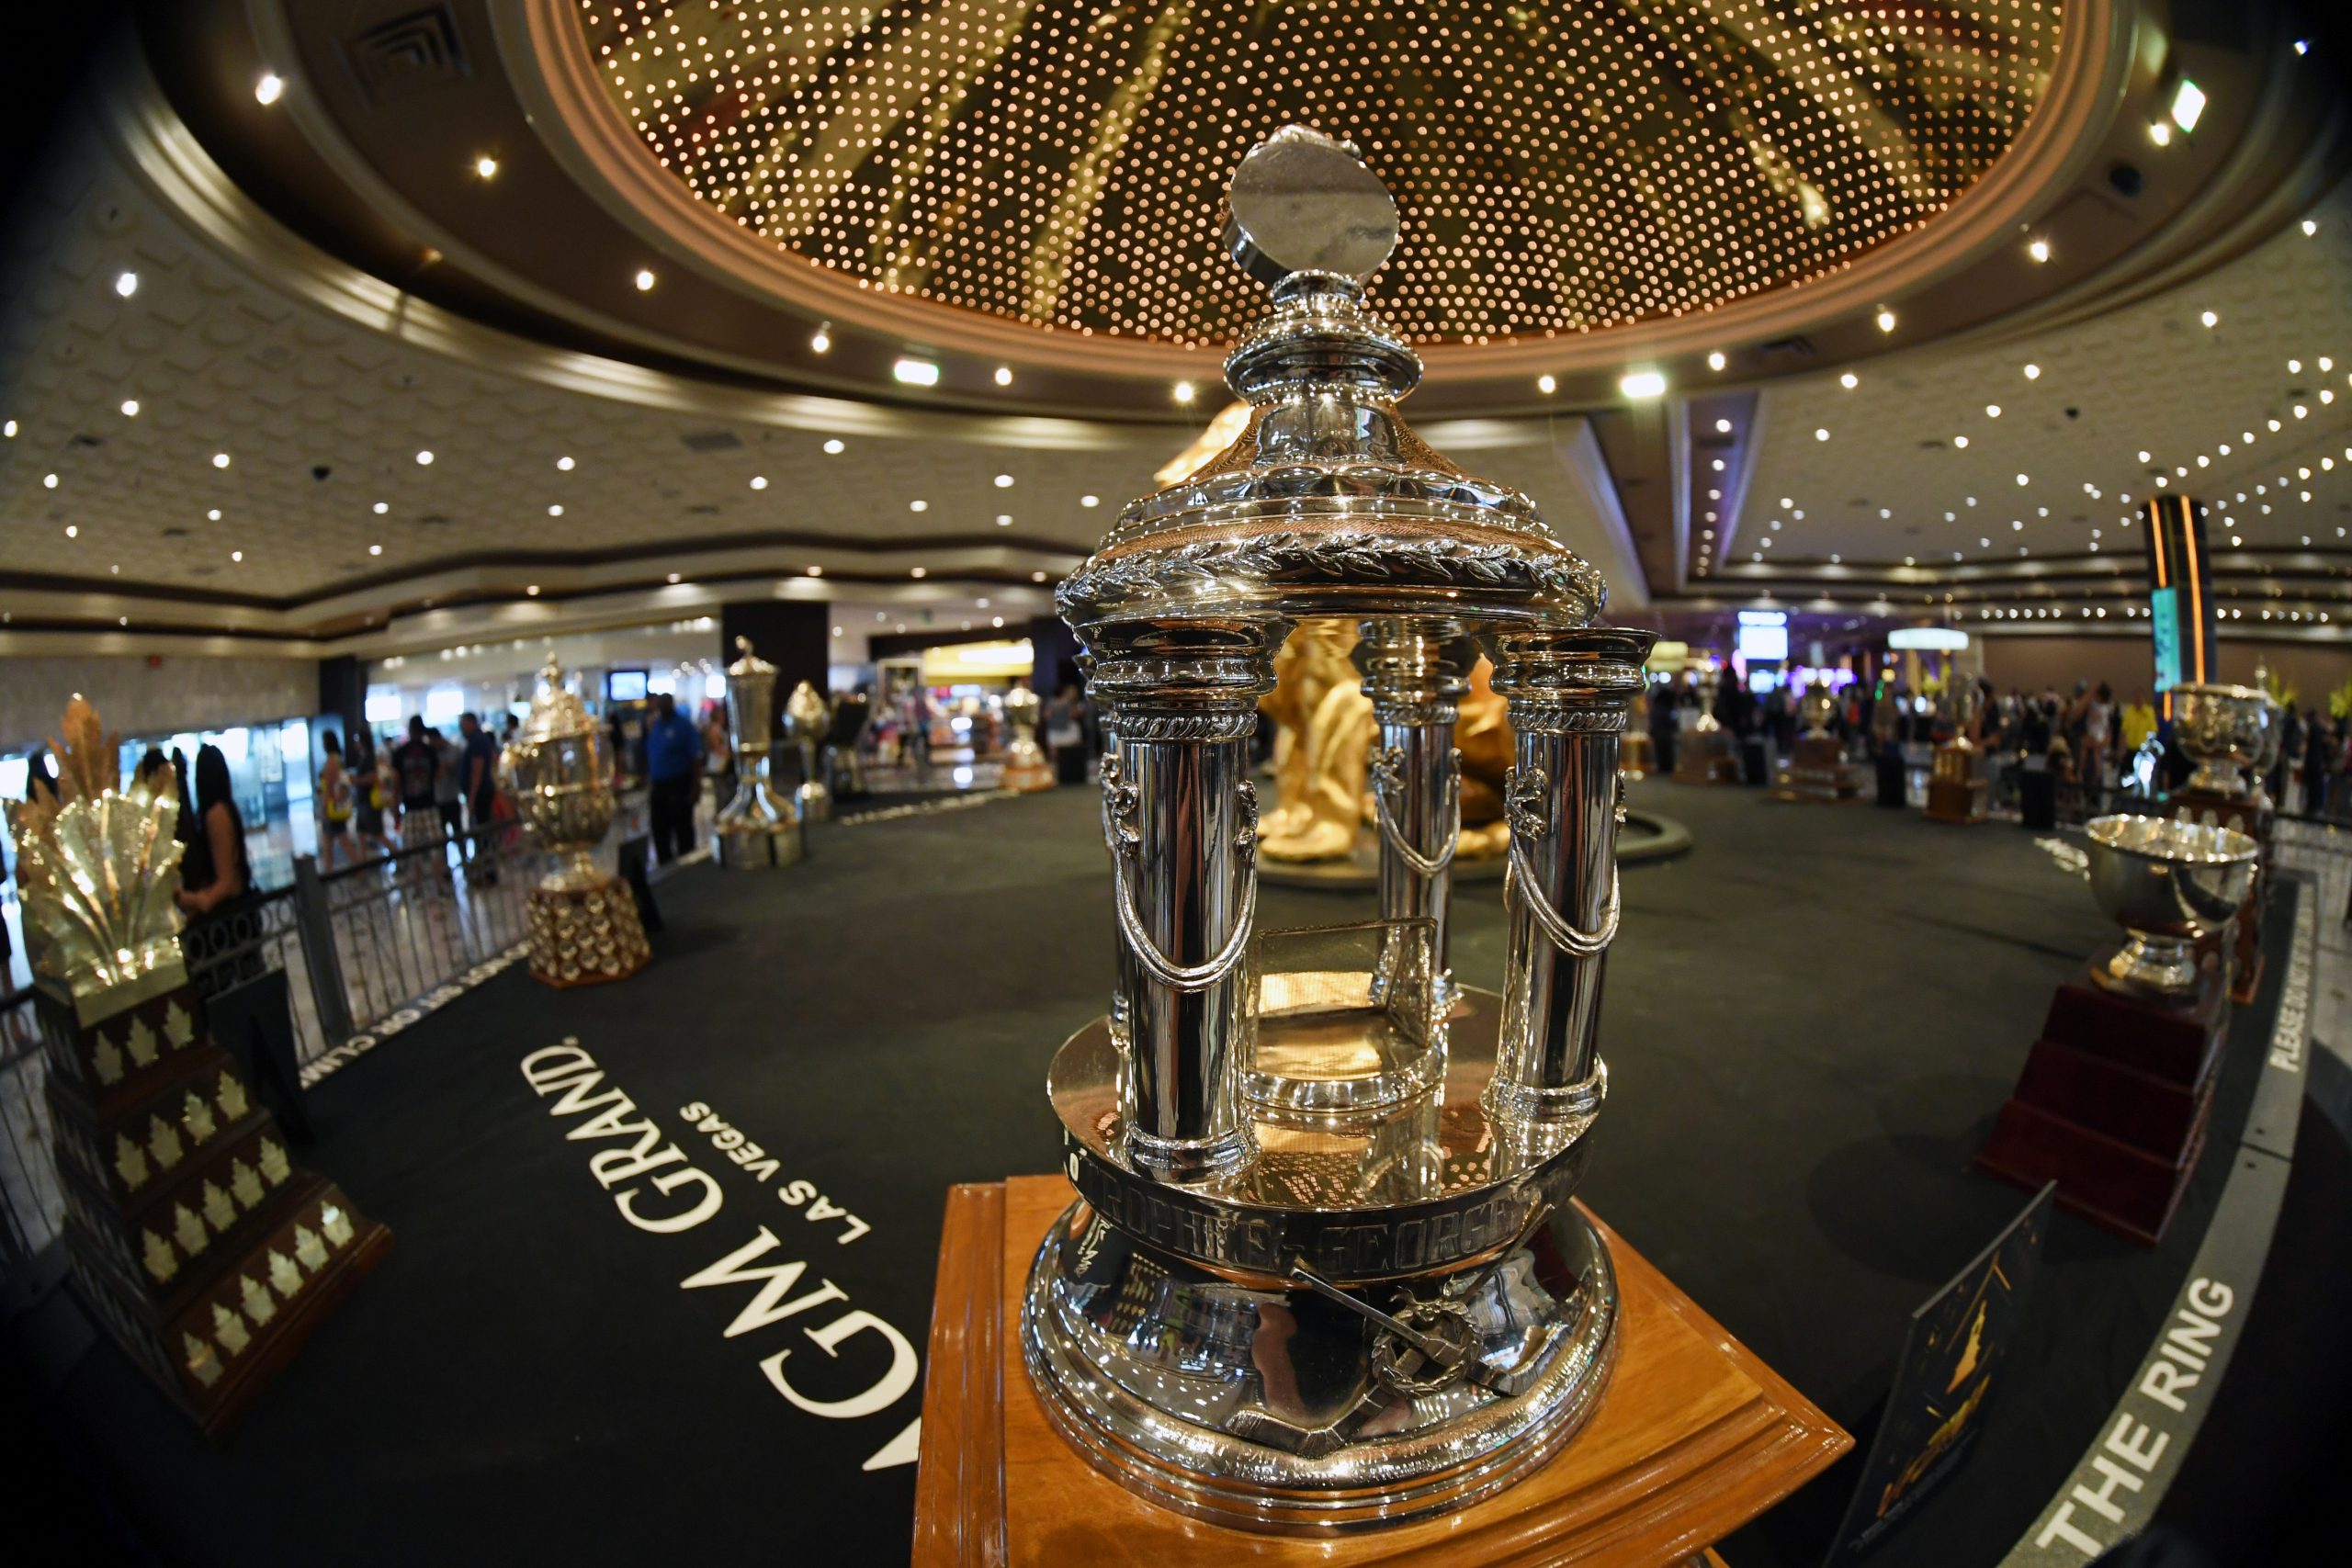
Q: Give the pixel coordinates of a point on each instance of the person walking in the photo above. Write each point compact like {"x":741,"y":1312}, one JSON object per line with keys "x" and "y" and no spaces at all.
{"x":447,"y":800}
{"x":335,"y":805}
{"x":1066,"y":734}
{"x":478,"y":766}
{"x":368,"y":796}
{"x":671,"y":750}
{"x":416,"y":767}
{"x":2319,"y":765}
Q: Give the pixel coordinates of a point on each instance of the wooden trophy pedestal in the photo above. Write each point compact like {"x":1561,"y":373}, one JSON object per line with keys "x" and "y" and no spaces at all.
{"x":1955,"y":793}
{"x":1693,"y":1438}
{"x":1637,"y":755}
{"x":2112,"y":1103}
{"x":1706,"y":756}
{"x":1817,"y":771}
{"x":586,"y":935}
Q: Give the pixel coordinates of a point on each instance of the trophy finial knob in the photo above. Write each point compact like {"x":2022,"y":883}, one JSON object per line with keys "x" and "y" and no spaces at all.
{"x":1303,"y":202}
{"x":743,"y":646}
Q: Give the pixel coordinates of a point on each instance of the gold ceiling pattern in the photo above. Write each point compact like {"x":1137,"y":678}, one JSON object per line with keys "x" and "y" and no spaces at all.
{"x":1561,"y":167}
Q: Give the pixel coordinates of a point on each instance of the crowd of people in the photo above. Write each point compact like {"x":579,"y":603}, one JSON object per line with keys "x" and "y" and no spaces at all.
{"x":2082,"y":743}
{"x":378,"y":794}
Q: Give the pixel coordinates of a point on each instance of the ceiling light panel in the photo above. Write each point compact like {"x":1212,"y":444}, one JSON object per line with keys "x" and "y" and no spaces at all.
{"x":1064,"y":164}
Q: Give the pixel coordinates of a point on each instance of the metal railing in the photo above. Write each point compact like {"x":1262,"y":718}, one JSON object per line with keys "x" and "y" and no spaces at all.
{"x":359,"y":945}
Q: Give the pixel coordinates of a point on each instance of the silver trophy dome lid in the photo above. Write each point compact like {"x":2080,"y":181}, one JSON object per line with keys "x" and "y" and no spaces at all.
{"x":748,"y":663}
{"x":1327,"y":502}
{"x":556,"y":712}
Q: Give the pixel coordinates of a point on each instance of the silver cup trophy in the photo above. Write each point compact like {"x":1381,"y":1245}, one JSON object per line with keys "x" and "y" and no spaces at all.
{"x":2223,"y":729}
{"x":807,"y":718}
{"x":2167,"y":884}
{"x":757,"y":830}
{"x":1326,"y":1273}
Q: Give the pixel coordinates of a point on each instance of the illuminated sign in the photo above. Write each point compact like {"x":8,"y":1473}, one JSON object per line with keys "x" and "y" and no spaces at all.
{"x":1762,"y":645}
{"x":1928,"y":639}
{"x":2164,"y":614}
{"x":1763,"y":617}
{"x":625,"y":686}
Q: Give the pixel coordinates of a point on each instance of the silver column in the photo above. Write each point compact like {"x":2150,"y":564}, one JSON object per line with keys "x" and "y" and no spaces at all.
{"x":1569,"y":693}
{"x":1177,"y":799}
{"x":1415,"y":672}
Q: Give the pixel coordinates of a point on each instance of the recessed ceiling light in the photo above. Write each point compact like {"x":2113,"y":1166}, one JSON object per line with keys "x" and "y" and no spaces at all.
{"x":2023,"y":480}
{"x":759,"y":482}
{"x":1546,"y":385}
{"x":1183,"y":392}
{"x":2038,"y":250}
{"x":130,"y":407}
{"x":9,"y":430}
{"x":1722,"y":427}
{"x":917,"y":507}
{"x":1004,"y":519}
{"x":1821,"y":436}
{"x":1090,"y":500}
{"x":2160,"y":133}
{"x":2188,"y":104}
{"x":833,"y":448}
{"x":375,"y":549}
{"x":2209,"y":319}
{"x":1849,"y":380}
{"x":644,"y":279}
{"x":73,"y":530}
{"x":533,"y":591}
{"x":1960,"y":442}
{"x":382,"y":507}
{"x":555,"y":511}
{"x":916,"y":372}
{"x":236,"y":555}
{"x":563,"y":464}
{"x":1885,"y":320}
{"x":48,"y":481}
{"x":1004,"y":481}
{"x":2033,"y":372}
{"x":1991,"y":411}
{"x":918,"y":571}
{"x":1716,"y":360}
{"x":2311,"y":226}
{"x":486,"y":166}
{"x":423,"y":459}
{"x":674,"y":577}
{"x":269,"y":89}
{"x":1643,"y":383}
{"x":821,"y":341}
{"x":816,"y":571}
{"x":220,"y":459}
{"x":214,"y":515}
{"x":126,"y":284}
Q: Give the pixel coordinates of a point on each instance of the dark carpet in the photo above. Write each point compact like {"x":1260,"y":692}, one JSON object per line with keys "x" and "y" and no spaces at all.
{"x":1810,"y":1022}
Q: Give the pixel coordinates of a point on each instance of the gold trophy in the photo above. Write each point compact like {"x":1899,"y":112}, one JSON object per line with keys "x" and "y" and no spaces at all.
{"x":1025,"y":767}
{"x":584,"y":926}
{"x":808,"y":717}
{"x":190,"y":1235}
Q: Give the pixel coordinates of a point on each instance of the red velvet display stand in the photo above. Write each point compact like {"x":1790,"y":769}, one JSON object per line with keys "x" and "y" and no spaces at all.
{"x":1693,"y":1438}
{"x":2113,"y":1101}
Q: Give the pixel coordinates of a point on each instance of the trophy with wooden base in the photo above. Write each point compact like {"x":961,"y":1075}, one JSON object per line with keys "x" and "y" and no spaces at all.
{"x":2114,"y":1096}
{"x":584,"y":925}
{"x":190,"y":1235}
{"x":2232,"y":733}
{"x":1324,"y":1275}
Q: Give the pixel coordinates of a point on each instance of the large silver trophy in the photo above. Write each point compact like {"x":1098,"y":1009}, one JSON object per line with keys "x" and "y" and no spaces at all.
{"x":2225,"y":731}
{"x":1326,"y":1273}
{"x":584,"y":925}
{"x":2167,"y":884}
{"x":758,"y":829}
{"x":807,"y":719}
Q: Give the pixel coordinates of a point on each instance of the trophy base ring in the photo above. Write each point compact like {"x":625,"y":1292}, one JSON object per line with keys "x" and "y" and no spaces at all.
{"x":1334,"y":1096}
{"x":1135,"y":1412}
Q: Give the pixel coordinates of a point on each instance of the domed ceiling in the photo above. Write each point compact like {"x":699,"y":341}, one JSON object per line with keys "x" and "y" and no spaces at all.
{"x":1561,"y":168}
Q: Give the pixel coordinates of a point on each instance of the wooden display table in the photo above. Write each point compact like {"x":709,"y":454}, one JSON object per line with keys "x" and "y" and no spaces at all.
{"x":1694,"y":1437}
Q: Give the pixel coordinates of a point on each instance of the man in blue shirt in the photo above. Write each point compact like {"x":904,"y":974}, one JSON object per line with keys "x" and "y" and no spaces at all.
{"x":477,"y":779}
{"x":672,"y":751}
